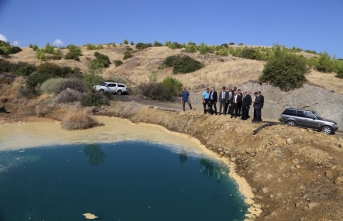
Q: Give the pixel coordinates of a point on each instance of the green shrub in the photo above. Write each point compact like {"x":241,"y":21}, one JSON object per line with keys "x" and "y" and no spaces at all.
{"x":182,"y":64}
{"x":100,"y":46}
{"x":285,"y":70}
{"x":3,"y":43}
{"x":325,"y":64}
{"x":165,"y":91}
{"x":23,"y":68}
{"x":49,"y":49}
{"x":157,"y":44}
{"x":51,"y":85}
{"x":339,"y":68}
{"x":172,"y":85}
{"x":103,"y":59}
{"x":142,"y":46}
{"x":251,"y":53}
{"x":126,"y":42}
{"x":174,"y":45}
{"x":91,"y":79}
{"x":132,"y":43}
{"x":127,"y":55}
{"x":224,"y":45}
{"x":90,"y":47}
{"x":72,"y":56}
{"x":49,"y":69}
{"x":36,"y":79}
{"x":30,"y":46}
{"x":74,"y":49}
{"x":96,"y":99}
{"x":35,"y":47}
{"x":204,"y":49}
{"x":118,"y":62}
{"x":56,"y":85}
{"x":155,"y":91}
{"x":240,"y":44}
{"x":191,"y":48}
{"x":5,"y":66}
{"x":153,"y":76}
{"x":223,"y":51}
{"x":14,"y":50}
{"x":96,"y":65}
{"x":231,"y":43}
{"x":68,"y":72}
{"x":2,"y":52}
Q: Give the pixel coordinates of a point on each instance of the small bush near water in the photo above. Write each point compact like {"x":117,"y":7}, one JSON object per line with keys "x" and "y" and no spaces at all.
{"x":67,"y":96}
{"x":56,"y":85}
{"x":165,"y":91}
{"x":79,"y":120}
{"x":96,"y":99}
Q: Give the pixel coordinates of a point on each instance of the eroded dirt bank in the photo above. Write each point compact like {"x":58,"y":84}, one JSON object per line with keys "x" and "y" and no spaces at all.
{"x":295,"y":174}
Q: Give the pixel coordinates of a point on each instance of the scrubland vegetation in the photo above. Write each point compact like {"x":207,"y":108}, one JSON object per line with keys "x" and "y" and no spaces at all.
{"x":284,"y":67}
{"x":79,"y":120}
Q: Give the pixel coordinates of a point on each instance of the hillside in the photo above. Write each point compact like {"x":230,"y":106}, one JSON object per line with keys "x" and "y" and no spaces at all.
{"x":218,"y":71}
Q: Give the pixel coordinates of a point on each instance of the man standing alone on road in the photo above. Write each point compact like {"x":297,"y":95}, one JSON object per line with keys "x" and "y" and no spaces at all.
{"x":213,"y":101}
{"x":185,"y":98}
{"x":206,"y":100}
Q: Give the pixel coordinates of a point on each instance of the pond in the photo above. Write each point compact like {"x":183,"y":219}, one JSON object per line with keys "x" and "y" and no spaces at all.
{"x":116,"y":181}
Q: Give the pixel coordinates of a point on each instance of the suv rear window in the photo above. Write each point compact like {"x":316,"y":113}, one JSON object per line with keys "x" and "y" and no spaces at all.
{"x":289,"y":112}
{"x":300,"y":113}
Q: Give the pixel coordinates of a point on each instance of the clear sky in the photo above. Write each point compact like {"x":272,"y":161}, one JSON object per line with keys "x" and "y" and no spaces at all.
{"x":308,"y":24}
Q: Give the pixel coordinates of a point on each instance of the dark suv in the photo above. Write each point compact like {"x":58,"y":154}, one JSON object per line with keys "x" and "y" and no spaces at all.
{"x":307,"y":118}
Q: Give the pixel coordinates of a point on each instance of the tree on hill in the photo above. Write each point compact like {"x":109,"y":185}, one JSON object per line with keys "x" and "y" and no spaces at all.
{"x":285,"y":70}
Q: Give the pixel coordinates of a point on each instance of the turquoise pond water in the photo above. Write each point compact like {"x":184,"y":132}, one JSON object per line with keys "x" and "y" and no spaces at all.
{"x":124,"y":181}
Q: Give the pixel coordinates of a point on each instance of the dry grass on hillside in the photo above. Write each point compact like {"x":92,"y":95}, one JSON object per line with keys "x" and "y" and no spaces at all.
{"x":326,"y":80}
{"x":218,"y":71}
{"x":79,"y":120}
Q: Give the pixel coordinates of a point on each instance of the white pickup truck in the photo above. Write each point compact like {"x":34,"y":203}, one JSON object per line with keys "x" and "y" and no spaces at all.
{"x":112,"y":87}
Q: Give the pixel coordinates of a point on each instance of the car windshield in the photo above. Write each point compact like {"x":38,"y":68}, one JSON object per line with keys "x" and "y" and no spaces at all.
{"x":315,"y":114}
{"x":103,"y":84}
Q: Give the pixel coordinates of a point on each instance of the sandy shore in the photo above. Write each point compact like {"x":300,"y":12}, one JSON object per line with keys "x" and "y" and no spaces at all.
{"x":26,"y":135}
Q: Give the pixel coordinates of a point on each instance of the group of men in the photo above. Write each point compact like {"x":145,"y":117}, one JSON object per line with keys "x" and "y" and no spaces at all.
{"x":231,"y":101}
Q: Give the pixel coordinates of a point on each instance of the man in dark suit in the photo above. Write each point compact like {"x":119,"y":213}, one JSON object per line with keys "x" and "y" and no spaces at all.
{"x":262,"y":101}
{"x":245,"y":105}
{"x":239,"y":102}
{"x":223,"y":94}
{"x":235,"y":104}
{"x":257,"y":108}
{"x":249,"y":102}
{"x":213,"y":101}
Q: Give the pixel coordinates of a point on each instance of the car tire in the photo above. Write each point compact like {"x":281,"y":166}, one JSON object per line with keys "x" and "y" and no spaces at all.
{"x":327,"y":130}
{"x":102,"y":91}
{"x":119,"y":92}
{"x":291,"y":123}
